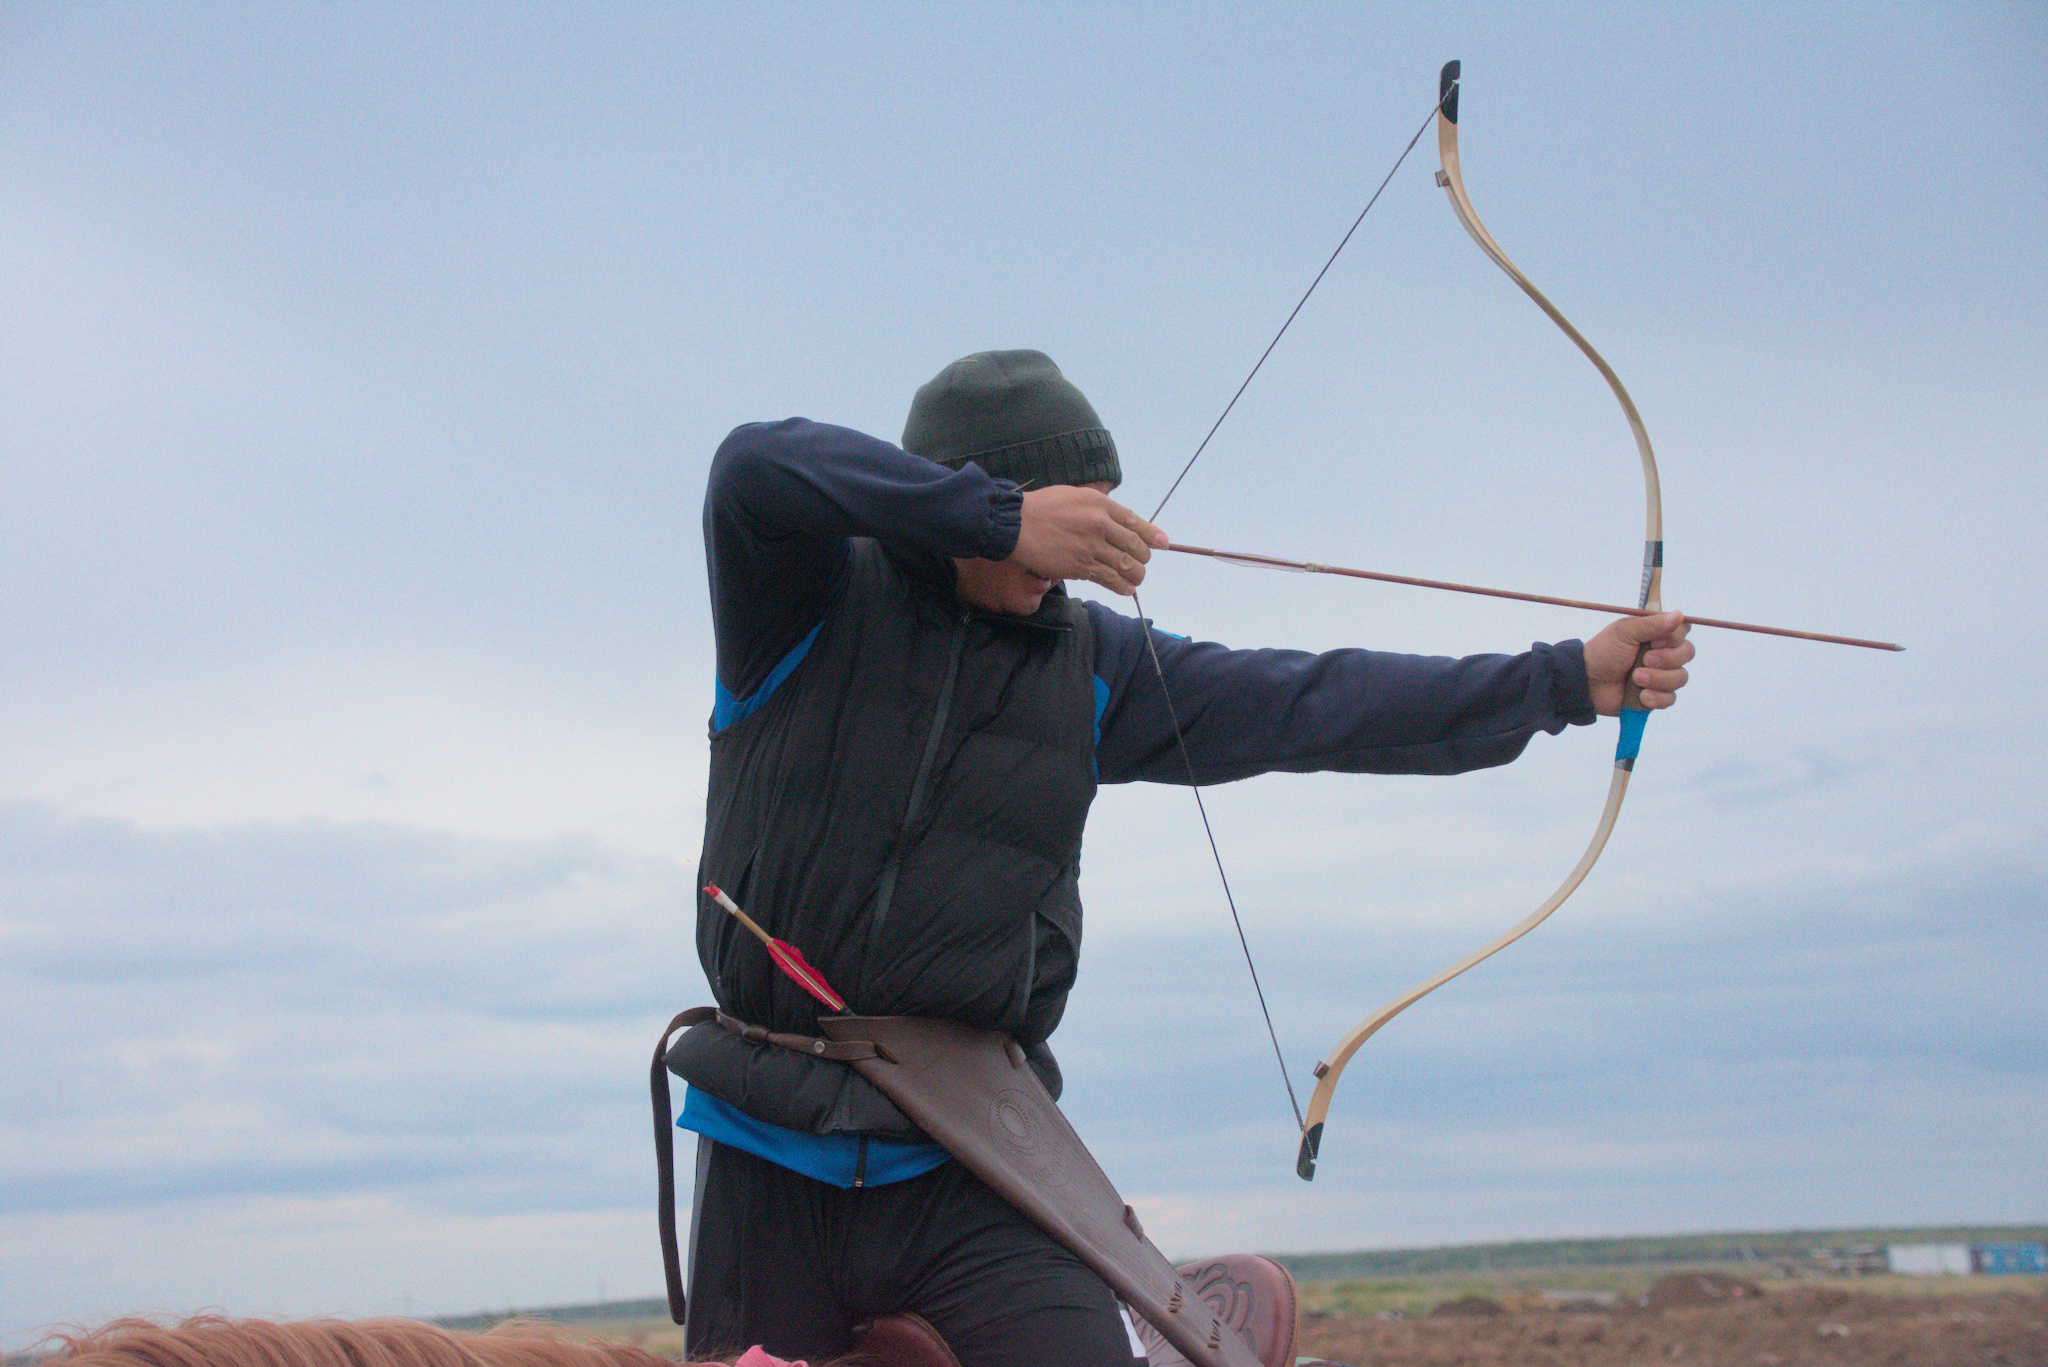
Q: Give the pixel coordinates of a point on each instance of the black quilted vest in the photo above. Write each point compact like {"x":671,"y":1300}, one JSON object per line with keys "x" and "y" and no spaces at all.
{"x":906,"y":808}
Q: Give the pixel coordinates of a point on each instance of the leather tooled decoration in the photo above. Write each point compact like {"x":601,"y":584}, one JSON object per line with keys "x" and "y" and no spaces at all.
{"x":1249,"y":1292}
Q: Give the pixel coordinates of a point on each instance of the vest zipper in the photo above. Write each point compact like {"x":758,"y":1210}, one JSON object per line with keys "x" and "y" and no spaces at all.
{"x":885,"y":888}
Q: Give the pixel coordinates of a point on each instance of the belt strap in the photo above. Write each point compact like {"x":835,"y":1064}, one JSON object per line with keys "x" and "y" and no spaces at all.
{"x":665,"y":1160}
{"x":842,"y":1051}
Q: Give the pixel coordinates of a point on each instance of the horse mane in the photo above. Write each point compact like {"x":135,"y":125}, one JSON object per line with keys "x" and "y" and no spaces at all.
{"x":216,"y":1341}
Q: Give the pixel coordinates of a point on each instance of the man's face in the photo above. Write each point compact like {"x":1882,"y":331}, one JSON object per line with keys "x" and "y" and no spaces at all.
{"x":1005,"y":586}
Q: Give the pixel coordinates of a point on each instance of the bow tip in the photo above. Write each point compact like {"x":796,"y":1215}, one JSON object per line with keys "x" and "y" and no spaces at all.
{"x":1447,"y":90}
{"x":1305,"y":1161}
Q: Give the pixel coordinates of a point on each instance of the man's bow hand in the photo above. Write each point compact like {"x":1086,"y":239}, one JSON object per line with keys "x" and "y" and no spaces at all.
{"x":1611,"y":656}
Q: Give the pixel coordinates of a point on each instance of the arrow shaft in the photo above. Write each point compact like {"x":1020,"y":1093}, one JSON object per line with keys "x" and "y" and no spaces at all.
{"x":718,"y":895}
{"x":1271,"y":562}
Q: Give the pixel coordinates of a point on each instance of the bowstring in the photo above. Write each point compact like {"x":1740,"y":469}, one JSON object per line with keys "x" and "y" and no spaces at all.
{"x":1152,"y":649}
{"x":1187,"y":762}
{"x":1250,"y":375}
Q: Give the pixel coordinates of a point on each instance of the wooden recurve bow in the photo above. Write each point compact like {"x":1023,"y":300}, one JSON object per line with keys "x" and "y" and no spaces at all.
{"x":1633,"y":715}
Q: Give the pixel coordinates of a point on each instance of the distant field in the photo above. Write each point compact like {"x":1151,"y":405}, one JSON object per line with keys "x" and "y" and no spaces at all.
{"x":1660,"y":1252}
{"x":1414,"y":1296}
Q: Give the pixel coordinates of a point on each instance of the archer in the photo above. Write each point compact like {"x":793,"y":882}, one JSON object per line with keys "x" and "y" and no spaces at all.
{"x":911,"y":718}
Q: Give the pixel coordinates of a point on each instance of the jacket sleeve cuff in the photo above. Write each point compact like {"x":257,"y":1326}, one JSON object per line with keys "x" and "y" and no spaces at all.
{"x":1570,"y":688}
{"x":1002,"y":522}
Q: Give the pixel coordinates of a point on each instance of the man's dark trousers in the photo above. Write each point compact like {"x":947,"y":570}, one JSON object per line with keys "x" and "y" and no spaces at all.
{"x":796,"y":1263}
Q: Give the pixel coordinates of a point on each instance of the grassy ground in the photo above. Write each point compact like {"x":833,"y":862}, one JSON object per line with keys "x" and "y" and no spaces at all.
{"x":1416,"y":1295}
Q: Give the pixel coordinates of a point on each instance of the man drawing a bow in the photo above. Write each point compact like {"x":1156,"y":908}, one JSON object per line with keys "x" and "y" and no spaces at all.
{"x":911,"y":720}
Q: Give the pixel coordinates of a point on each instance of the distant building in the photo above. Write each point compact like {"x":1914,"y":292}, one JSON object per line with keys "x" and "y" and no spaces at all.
{"x":1858,"y":1261}
{"x":1960,"y":1260}
{"x":2009,"y":1258}
{"x":1930,"y":1260}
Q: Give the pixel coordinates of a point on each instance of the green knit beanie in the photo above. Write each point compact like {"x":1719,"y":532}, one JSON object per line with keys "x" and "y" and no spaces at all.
{"x":1013,"y":414}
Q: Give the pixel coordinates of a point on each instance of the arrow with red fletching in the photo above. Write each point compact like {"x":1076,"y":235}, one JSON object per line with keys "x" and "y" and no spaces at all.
{"x":787,"y":956}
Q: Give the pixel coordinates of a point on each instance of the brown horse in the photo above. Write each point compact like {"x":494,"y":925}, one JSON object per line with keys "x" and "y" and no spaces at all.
{"x":216,"y":1341}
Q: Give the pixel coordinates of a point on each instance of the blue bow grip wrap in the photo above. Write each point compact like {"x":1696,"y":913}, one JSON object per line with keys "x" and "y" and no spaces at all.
{"x":1632,"y":722}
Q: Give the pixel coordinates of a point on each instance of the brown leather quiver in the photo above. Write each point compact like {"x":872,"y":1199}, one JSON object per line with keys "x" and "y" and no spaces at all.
{"x":973,"y":1093}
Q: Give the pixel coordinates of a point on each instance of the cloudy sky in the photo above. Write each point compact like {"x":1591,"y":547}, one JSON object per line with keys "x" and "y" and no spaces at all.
{"x":361,"y":367}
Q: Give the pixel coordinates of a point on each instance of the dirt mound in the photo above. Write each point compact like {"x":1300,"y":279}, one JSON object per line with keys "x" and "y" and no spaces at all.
{"x":1469,"y":1306}
{"x":1699,"y":1288}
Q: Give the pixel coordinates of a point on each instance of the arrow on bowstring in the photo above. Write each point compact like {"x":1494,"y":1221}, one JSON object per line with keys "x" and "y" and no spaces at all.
{"x":1253,"y":560}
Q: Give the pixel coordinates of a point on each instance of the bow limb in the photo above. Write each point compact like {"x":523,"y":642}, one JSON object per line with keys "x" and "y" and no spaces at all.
{"x":1633,"y":715}
{"x":1453,"y":184}
{"x":1331,"y":1068}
